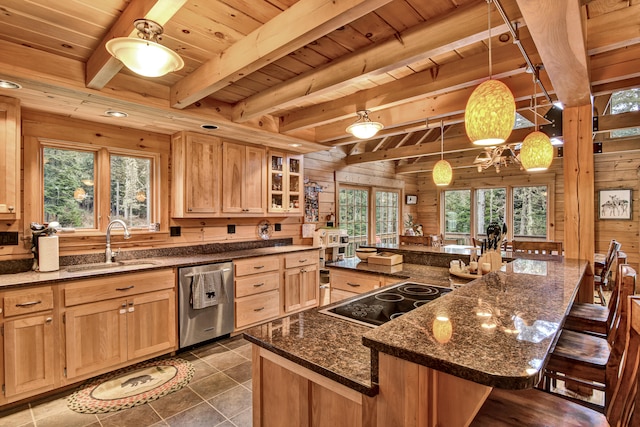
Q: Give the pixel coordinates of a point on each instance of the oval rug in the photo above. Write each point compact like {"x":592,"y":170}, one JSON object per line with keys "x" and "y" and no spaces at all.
{"x":131,"y":386}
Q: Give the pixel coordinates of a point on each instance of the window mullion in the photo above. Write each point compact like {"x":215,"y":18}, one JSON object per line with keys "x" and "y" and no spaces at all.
{"x":103,"y":189}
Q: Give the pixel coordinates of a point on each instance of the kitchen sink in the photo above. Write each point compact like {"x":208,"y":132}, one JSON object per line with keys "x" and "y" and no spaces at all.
{"x":110,"y":266}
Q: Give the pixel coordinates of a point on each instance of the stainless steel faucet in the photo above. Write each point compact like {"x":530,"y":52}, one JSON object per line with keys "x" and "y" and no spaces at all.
{"x":127,"y":235}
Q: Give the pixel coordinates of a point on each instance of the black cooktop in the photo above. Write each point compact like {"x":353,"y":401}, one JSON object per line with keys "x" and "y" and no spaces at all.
{"x":387,"y":304}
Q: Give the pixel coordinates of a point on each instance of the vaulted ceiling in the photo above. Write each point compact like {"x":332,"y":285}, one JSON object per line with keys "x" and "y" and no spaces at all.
{"x":284,"y":73}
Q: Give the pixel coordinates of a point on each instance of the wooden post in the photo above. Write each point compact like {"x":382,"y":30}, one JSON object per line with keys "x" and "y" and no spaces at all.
{"x":579,"y":238}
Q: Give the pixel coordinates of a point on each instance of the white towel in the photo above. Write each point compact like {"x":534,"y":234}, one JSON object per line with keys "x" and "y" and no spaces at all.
{"x":207,"y":289}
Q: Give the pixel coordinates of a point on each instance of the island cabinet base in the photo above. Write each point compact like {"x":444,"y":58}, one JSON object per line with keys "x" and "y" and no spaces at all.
{"x":286,"y":394}
{"x":412,"y":395}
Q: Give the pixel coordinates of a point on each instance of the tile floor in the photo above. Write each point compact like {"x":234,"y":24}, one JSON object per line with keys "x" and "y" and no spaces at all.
{"x":218,"y":395}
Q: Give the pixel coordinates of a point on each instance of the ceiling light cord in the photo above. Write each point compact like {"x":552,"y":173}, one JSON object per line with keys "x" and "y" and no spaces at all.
{"x":441,"y":140}
{"x":489,"y":19}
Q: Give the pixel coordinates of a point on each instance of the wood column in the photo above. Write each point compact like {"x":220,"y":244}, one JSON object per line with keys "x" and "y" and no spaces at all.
{"x":579,"y":187}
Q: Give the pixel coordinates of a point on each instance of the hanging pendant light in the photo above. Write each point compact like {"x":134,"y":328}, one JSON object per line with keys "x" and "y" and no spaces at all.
{"x":364,"y":128}
{"x":536,"y":151}
{"x":490,"y":113}
{"x":144,"y":55}
{"x":442,"y":172}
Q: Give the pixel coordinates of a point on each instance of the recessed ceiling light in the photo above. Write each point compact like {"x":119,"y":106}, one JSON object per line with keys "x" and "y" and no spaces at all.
{"x":296,"y":145}
{"x":114,"y":113}
{"x":6,"y":84}
{"x":209,"y":126}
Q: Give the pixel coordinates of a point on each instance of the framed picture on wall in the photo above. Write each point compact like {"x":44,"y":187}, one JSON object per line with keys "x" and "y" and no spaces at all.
{"x":615,"y":204}
{"x":411,"y":199}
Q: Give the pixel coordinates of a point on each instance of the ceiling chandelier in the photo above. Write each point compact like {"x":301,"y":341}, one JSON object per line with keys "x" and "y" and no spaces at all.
{"x":491,"y":109}
{"x":499,"y":157}
{"x":364,"y":128}
{"x":442,"y":172}
{"x":144,"y":55}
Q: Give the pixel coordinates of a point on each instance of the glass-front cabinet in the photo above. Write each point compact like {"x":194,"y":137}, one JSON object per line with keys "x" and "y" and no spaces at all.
{"x":286,"y":186}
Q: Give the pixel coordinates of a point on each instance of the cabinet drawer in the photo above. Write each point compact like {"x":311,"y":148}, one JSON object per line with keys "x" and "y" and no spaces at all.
{"x":301,"y":258}
{"x":27,"y":301}
{"x":353,"y":282}
{"x":92,"y":290}
{"x":257,"y":308}
{"x":257,"y":283}
{"x":257,"y":265}
{"x":339,"y":295}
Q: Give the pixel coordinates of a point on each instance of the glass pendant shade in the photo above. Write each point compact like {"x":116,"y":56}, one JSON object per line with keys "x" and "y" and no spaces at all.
{"x":442,"y":173}
{"x":364,"y":128}
{"x":144,"y":57}
{"x":536,"y":152}
{"x":490,"y":113}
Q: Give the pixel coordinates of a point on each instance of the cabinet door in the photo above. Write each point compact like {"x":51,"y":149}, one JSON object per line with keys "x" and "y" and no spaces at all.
{"x":233,"y":162}
{"x":295,"y":184}
{"x":202,"y":184}
{"x":301,"y":288}
{"x":255,"y":185}
{"x":151,"y":323}
{"x":29,"y":354}
{"x":96,"y":336}
{"x":9,"y":158}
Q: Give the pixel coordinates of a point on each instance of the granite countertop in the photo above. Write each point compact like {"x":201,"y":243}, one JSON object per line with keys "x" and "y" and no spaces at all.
{"x":141,"y":264}
{"x":497,"y":330}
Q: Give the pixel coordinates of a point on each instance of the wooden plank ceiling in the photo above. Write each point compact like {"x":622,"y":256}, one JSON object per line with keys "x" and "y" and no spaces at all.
{"x":293,"y":73}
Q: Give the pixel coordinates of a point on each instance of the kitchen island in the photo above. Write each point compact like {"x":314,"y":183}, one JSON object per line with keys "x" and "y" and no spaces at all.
{"x":432,"y":366}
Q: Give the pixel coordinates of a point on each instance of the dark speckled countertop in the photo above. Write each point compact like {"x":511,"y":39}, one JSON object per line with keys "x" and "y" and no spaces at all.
{"x":142,"y":264}
{"x":496,"y":330}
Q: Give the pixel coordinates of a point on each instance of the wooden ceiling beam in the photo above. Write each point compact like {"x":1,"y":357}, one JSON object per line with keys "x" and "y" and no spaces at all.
{"x":609,"y":122}
{"x":305,"y":22}
{"x":406,"y":115}
{"x":601,"y":36}
{"x":464,"y":26}
{"x":459,"y":74}
{"x":557,"y":30}
{"x":621,"y":64}
{"x":101,"y":66}
{"x":451,"y":145}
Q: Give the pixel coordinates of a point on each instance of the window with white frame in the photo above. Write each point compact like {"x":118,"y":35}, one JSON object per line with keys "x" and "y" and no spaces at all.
{"x":625,"y":101}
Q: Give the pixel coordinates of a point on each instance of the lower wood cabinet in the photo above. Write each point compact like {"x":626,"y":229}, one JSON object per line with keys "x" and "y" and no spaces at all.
{"x":301,"y":281}
{"x":29,"y":329}
{"x":103,"y":335}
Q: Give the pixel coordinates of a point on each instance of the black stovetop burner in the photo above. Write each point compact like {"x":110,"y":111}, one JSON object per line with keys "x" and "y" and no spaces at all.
{"x":387,"y":304}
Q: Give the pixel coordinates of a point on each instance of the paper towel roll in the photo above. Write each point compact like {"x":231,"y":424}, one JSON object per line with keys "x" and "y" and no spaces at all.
{"x":48,"y":259}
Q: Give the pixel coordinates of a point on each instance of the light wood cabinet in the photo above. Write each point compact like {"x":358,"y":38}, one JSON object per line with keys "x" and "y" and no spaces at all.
{"x":243,"y":179}
{"x":345,"y":283}
{"x":257,"y":290}
{"x":301,"y":281}
{"x":196,"y":175}
{"x":9,"y":158}
{"x":131,"y":318}
{"x":29,"y":338}
{"x":286,"y":185}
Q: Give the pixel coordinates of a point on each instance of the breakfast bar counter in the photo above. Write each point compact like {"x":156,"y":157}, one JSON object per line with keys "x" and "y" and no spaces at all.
{"x":436,"y":363}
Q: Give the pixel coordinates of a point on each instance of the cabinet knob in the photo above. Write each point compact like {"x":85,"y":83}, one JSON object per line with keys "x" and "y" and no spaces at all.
{"x":125,"y":288}
{"x":28,"y":304}
{"x":48,"y":320}
{"x":189,"y":209}
{"x":258,"y":309}
{"x":354,"y":285}
{"x":257,"y":285}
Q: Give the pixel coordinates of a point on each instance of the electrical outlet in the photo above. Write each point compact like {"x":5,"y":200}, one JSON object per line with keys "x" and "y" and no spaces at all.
{"x":8,"y":238}
{"x":277,"y":227}
{"x":231,"y":229}
{"x":175,"y":231}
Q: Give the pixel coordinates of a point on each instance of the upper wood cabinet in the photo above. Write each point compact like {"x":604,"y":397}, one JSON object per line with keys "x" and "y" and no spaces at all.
{"x":286,"y":186}
{"x":196,"y":175}
{"x":9,"y":158}
{"x":243,"y":179}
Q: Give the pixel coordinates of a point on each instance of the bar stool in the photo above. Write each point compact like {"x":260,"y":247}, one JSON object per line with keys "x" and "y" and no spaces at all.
{"x":535,"y":408}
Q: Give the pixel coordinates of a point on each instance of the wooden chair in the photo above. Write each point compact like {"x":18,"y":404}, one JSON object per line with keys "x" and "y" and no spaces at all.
{"x":602,"y":272}
{"x":589,"y":361}
{"x":534,"y":247}
{"x":596,"y":319}
{"x":535,"y":408}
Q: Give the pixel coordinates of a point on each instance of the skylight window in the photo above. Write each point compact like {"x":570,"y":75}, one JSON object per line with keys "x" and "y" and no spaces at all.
{"x":522,"y":122}
{"x":625,"y":101}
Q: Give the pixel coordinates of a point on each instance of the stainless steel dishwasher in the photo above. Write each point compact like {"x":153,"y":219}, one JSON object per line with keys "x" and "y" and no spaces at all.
{"x":198,"y":325}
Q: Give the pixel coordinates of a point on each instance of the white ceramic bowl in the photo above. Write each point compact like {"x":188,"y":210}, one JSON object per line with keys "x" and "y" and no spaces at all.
{"x":364,"y":253}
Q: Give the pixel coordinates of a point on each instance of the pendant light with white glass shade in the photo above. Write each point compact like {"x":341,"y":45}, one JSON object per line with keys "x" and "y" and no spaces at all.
{"x":442,"y":172}
{"x":490,"y":113}
{"x":536,"y":151}
{"x":144,"y":55}
{"x":364,"y":128}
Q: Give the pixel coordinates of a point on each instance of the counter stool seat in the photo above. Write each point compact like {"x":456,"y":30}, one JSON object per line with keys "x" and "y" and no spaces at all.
{"x":590,"y":318}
